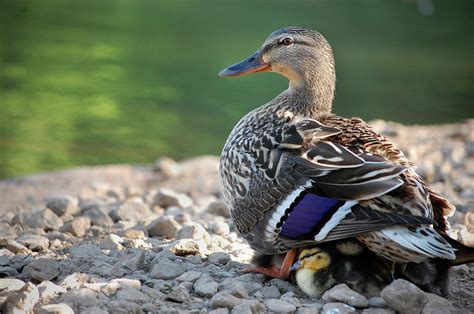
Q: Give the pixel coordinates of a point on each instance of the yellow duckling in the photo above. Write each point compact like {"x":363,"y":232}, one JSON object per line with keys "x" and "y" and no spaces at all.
{"x":319,"y":268}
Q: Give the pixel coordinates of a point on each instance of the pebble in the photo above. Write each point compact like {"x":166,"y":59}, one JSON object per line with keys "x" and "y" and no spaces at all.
{"x":18,"y":248}
{"x":279,"y":306}
{"x":45,"y":219}
{"x":80,"y":298}
{"x":98,"y":216}
{"x":33,"y":242}
{"x":269,"y":292}
{"x":218,"y":208}
{"x":85,"y":251}
{"x":10,"y":284}
{"x":337,"y":308}
{"x":166,"y":269}
{"x":220,"y":228}
{"x":166,"y":198}
{"x":63,"y":204}
{"x":186,"y":247}
{"x":6,"y":271}
{"x":404,"y":297}
{"x":132,"y":295}
{"x":179,"y":294}
{"x":193,"y":231}
{"x":112,"y":242}
{"x":77,"y":227}
{"x":377,"y":302}
{"x":42,"y":269}
{"x":60,"y":308}
{"x":49,"y":290}
{"x":131,"y":211}
{"x":437,"y":305}
{"x":224,"y":299}
{"x":189,"y":276}
{"x":375,"y":310}
{"x":164,"y":226}
{"x":218,"y":258}
{"x":23,"y":300}
{"x":75,"y":280}
{"x":205,"y":287}
{"x":167,"y":167}
{"x":342,"y":293}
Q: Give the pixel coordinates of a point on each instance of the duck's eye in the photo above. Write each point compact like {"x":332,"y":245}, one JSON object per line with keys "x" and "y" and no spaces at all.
{"x":287,"y":41}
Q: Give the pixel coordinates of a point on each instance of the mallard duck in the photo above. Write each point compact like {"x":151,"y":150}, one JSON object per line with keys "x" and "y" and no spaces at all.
{"x":320,"y":267}
{"x":294,"y":174}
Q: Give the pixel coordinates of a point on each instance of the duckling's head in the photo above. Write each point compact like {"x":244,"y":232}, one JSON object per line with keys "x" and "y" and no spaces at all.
{"x":313,"y":259}
{"x":302,"y":55}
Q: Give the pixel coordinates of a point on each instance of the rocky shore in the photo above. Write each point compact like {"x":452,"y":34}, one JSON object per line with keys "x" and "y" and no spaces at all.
{"x":133,"y":239}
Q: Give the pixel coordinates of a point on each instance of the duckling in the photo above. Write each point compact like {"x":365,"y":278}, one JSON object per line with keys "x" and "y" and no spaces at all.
{"x":319,"y":268}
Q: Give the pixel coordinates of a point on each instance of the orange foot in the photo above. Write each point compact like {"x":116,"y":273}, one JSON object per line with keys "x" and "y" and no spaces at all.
{"x":273,"y":271}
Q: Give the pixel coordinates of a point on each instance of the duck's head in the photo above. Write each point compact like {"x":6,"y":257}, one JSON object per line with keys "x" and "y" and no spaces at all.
{"x":302,"y":55}
{"x":312,"y":259}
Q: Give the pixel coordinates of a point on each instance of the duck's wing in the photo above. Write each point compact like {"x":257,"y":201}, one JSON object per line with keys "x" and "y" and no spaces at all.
{"x":334,"y":179}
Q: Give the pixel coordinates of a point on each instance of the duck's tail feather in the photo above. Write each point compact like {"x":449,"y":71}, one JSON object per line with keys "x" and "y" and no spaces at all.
{"x":464,"y":254}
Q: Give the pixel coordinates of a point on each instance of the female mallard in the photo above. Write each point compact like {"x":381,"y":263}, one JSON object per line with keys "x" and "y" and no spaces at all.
{"x":293,"y":173}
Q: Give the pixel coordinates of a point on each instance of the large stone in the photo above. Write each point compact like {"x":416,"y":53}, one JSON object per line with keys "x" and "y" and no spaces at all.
{"x":193,"y":231}
{"x":42,"y":269}
{"x":437,"y":305}
{"x":60,"y":308}
{"x":339,"y":308}
{"x":85,"y":251}
{"x":49,"y":290}
{"x":279,"y":306}
{"x":23,"y":300}
{"x":164,"y":226}
{"x":166,"y":198}
{"x":404,"y":297}
{"x":166,"y":269}
{"x":218,"y":208}
{"x":10,"y":284}
{"x":205,"y":287}
{"x":62,"y":205}
{"x":132,"y":295}
{"x":34,"y":242}
{"x":131,"y":211}
{"x":342,"y":293}
{"x":77,"y":227}
{"x":45,"y":219}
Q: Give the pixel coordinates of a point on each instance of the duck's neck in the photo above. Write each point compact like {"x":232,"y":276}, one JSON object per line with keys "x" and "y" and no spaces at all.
{"x":313,"y":90}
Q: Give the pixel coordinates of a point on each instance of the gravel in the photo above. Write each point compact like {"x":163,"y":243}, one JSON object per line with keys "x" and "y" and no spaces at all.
{"x":142,"y":239}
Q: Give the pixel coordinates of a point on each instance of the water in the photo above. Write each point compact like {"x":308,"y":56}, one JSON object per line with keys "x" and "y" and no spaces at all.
{"x":94,"y":82}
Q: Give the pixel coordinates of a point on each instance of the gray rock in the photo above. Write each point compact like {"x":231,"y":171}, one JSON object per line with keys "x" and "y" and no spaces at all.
{"x":122,"y":306}
{"x":205,"y":287}
{"x":310,"y":308}
{"x":133,"y":260}
{"x":237,"y":289}
{"x":279,"y":306}
{"x":154,"y":294}
{"x":42,"y":269}
{"x":404,"y":297}
{"x":282,"y":285}
{"x":95,"y":310}
{"x":166,"y":198}
{"x":6,"y":271}
{"x":60,"y":308}
{"x":111,"y":242}
{"x":85,"y":251}
{"x":74,"y":281}
{"x":133,"y":234}
{"x":80,"y":298}
{"x":45,"y":219}
{"x":193,"y":231}
{"x":166,"y":167}
{"x":62,"y":205}
{"x":218,"y":208}
{"x":98,"y":216}
{"x":49,"y":290}
{"x":34,"y":242}
{"x":377,"y":302}
{"x":218,"y":258}
{"x":224,"y":299}
{"x":186,"y":247}
{"x":10,"y":284}
{"x":221,"y":228}
{"x":179,"y":294}
{"x":131,"y":211}
{"x":189,"y":276}
{"x":77,"y":227}
{"x":221,"y":310}
{"x":132,"y":295}
{"x":5,"y":255}
{"x":164,"y":226}
{"x":339,"y":308}
{"x":23,"y":300}
{"x":437,"y":305}
{"x":166,"y":269}
{"x":375,"y":310}
{"x":269,"y":292}
{"x":18,"y":248}
{"x":242,"y":308}
{"x":342,"y":293}
{"x":7,"y":232}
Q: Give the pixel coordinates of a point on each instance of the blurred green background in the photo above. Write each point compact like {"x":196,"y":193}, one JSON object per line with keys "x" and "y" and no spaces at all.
{"x":94,"y":82}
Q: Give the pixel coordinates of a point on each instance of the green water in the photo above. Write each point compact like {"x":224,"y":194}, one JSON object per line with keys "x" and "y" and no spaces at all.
{"x":94,"y":82}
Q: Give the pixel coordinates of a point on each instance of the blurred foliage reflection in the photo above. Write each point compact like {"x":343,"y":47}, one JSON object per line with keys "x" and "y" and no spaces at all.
{"x":92,"y":82}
